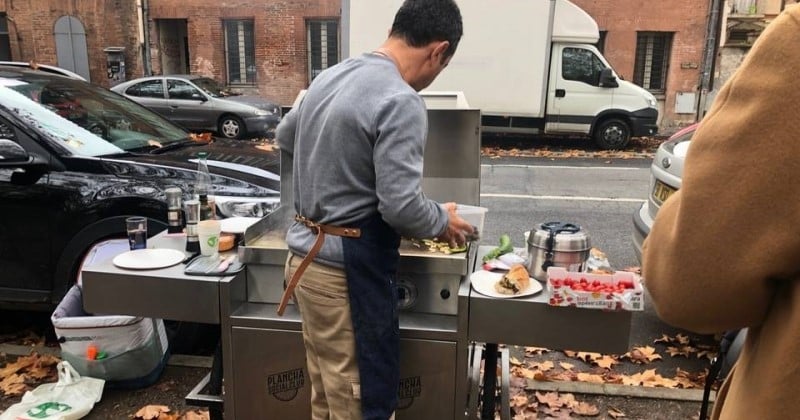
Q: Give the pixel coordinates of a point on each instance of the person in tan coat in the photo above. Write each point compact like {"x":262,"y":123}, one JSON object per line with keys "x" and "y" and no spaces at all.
{"x":724,"y":251}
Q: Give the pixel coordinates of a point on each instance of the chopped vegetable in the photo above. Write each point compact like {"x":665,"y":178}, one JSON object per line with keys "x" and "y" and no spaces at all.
{"x":504,"y":248}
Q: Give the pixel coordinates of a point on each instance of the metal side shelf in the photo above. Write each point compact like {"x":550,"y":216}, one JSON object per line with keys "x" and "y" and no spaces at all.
{"x":412,"y":325}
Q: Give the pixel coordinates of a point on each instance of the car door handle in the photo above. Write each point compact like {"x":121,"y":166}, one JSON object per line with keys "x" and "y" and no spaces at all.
{"x":174,"y":106}
{"x":560,"y":93}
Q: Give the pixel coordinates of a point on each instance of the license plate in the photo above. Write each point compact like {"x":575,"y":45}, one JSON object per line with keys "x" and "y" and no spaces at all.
{"x":662,"y":191}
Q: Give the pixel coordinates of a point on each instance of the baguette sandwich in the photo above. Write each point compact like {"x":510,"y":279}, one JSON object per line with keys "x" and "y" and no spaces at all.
{"x":515,"y":281}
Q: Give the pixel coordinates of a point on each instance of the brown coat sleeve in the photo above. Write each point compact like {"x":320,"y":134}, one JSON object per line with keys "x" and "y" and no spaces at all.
{"x":722,"y":243}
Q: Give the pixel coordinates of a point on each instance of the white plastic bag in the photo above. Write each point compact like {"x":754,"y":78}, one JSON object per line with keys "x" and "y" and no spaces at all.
{"x":72,"y":397}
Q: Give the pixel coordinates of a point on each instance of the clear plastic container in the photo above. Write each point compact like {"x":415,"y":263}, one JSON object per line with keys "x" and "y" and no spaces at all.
{"x":473,"y":214}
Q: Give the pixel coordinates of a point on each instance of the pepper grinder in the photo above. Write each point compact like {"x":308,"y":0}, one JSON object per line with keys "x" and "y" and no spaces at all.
{"x":192,"y":217}
{"x":174,"y":210}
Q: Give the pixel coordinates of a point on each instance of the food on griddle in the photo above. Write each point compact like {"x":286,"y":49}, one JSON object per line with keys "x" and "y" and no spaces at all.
{"x":515,"y":281}
{"x":433,"y":245}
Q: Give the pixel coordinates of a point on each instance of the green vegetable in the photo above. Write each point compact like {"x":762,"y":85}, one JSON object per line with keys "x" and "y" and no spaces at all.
{"x":504,"y":248}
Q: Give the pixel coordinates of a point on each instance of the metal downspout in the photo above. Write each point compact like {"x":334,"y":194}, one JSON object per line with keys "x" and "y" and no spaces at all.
{"x":709,"y":55}
{"x":145,"y":28}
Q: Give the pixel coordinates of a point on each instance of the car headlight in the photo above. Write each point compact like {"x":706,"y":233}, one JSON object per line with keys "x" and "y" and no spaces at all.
{"x":246,"y":206}
{"x":262,"y":112}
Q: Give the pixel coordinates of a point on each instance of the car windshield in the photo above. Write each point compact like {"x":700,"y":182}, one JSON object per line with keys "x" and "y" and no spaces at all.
{"x":86,"y":120}
{"x":211,"y":87}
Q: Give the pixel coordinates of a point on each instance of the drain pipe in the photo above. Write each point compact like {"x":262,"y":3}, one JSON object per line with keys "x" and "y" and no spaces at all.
{"x":710,"y":52}
{"x":143,"y":11}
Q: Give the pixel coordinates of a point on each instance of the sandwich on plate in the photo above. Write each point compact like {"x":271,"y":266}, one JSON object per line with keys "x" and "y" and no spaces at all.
{"x":514,"y":281}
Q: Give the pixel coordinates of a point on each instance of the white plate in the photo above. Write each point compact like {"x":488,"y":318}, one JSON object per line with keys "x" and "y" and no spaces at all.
{"x":483,"y":282}
{"x":237,"y":224}
{"x":148,"y":259}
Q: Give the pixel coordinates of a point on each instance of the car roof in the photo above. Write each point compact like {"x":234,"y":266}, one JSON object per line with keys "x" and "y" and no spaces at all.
{"x":42,"y":68}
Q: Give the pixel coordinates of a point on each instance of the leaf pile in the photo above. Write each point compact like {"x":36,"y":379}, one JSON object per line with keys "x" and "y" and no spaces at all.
{"x":528,"y":404}
{"x":559,"y":147}
{"x":27,"y":372}
{"x":162,"y":412}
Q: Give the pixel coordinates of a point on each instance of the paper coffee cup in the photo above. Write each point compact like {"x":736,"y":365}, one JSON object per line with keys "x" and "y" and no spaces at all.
{"x":208,"y":235}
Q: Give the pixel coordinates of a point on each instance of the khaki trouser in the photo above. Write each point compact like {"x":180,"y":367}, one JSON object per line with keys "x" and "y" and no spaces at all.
{"x":330,"y":342}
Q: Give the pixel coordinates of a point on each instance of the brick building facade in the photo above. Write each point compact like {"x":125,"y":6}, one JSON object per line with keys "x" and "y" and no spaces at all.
{"x":271,"y":47}
{"x":657,"y":45}
{"x":275,"y":47}
{"x":34,"y":29}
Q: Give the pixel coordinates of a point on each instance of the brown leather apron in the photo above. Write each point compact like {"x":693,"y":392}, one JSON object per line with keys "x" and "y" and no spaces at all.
{"x":320,"y":230}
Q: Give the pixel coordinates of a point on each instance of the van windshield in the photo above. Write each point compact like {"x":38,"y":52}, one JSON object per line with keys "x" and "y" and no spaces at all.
{"x":86,"y":120}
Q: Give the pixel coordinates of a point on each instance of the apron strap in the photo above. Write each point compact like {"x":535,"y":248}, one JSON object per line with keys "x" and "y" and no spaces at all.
{"x":320,"y":230}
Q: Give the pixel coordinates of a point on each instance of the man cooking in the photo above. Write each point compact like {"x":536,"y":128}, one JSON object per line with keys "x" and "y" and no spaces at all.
{"x":357,"y":140}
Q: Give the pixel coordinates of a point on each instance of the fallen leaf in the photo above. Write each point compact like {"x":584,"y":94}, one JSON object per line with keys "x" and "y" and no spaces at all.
{"x":650,"y":379}
{"x":514,"y":361}
{"x":530,"y":351}
{"x":551,"y":399}
{"x":543,"y":366}
{"x":615,"y":413}
{"x":642,"y":355}
{"x":605,"y":362}
{"x":586,"y":409}
{"x":150,"y":412}
{"x":196,"y":415}
{"x":21,"y":363}
{"x":566,"y":366}
{"x":591,"y":378}
{"x":13,"y":385}
{"x":663,"y":339}
{"x":518,"y":401}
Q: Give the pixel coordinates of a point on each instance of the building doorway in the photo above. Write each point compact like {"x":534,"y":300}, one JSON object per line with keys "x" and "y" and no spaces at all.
{"x":173,"y":46}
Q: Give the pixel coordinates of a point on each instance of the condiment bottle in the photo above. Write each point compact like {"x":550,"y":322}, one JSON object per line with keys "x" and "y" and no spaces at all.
{"x":192,"y":217}
{"x":203,"y":188}
{"x":174,"y":217}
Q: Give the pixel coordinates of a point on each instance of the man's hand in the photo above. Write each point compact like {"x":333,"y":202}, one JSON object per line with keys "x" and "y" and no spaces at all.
{"x":457,"y":228}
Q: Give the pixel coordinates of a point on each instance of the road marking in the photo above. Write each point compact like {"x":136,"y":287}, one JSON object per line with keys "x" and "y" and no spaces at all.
{"x":615,"y":168}
{"x":563,"y":198}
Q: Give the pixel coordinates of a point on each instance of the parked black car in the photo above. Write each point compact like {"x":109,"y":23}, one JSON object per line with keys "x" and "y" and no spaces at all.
{"x":77,"y":159}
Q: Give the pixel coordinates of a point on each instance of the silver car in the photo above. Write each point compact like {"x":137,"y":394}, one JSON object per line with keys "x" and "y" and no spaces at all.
{"x":665,"y":179}
{"x":200,"y":104}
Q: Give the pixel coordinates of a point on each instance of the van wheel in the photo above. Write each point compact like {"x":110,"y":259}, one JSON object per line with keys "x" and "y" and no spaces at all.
{"x":231,"y":127}
{"x":612,"y":134}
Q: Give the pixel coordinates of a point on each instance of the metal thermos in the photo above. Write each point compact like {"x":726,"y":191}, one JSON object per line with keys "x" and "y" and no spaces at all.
{"x":174,"y":210}
{"x":192,"y":217}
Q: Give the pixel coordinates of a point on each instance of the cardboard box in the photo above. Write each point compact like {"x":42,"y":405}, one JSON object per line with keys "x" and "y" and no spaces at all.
{"x":561,"y":294}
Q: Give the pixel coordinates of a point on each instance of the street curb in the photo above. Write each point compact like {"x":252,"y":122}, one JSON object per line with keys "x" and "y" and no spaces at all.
{"x":178,"y":360}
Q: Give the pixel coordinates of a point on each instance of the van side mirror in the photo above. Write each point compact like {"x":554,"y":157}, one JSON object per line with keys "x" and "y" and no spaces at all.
{"x":12,"y":153}
{"x":607,"y":78}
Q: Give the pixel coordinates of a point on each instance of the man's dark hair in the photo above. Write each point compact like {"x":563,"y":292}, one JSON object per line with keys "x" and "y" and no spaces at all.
{"x":421,"y":22}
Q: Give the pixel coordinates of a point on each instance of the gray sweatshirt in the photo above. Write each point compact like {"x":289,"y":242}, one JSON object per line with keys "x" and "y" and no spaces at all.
{"x":357,"y":140}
